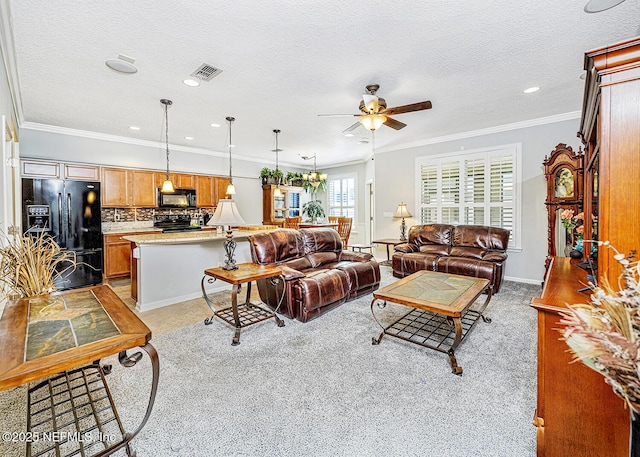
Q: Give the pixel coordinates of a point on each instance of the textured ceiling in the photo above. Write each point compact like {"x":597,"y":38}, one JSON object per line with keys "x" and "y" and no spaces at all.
{"x":286,"y":62}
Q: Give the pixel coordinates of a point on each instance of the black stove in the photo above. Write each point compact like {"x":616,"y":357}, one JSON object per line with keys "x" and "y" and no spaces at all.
{"x":174,"y":223}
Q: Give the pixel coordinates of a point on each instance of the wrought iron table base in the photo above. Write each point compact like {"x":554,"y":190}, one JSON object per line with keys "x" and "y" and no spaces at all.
{"x":77,"y":408}
{"x":433,"y":330}
{"x":239,"y":316}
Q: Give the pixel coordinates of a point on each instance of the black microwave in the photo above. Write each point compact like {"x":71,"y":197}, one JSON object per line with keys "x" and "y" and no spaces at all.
{"x":181,"y":198}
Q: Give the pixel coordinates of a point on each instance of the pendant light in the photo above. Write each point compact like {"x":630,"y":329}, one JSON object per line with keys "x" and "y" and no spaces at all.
{"x":277,"y":192}
{"x":314,"y":178}
{"x":231,"y":189}
{"x":167,"y":185}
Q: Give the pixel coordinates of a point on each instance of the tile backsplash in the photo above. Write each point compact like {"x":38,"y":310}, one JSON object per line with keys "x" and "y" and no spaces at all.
{"x":146,"y":214}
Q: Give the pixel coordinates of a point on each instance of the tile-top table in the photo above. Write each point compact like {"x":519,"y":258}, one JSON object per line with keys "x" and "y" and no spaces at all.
{"x":246,"y":313}
{"x":62,"y":337}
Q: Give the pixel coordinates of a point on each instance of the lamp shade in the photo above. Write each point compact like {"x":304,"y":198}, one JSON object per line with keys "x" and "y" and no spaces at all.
{"x":402,"y":211}
{"x":373,"y":121}
{"x":226,"y":214}
{"x":167,"y":187}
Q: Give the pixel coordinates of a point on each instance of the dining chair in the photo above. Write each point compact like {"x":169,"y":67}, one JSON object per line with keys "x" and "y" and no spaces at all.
{"x":333,"y":218}
{"x":292,"y":222}
{"x":344,"y":229}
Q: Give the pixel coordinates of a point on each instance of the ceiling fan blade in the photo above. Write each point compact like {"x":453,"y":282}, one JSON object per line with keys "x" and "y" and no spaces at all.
{"x":407,"y":108}
{"x":352,"y":127}
{"x":337,"y":115}
{"x":371,"y":103}
{"x":397,"y":125}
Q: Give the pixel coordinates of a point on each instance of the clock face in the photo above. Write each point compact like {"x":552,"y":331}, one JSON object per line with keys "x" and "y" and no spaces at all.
{"x":564,"y":183}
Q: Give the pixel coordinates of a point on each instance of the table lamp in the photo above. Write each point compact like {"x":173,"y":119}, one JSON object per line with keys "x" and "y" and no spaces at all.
{"x":227,"y":214}
{"x":402,"y":212}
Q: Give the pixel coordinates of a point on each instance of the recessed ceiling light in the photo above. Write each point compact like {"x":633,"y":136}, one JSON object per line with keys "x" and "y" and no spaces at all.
{"x":596,"y":6}
{"x":531,"y":90}
{"x":348,"y":134}
{"x":215,"y":125}
{"x":133,"y":127}
{"x":191,"y":82}
{"x":188,"y":138}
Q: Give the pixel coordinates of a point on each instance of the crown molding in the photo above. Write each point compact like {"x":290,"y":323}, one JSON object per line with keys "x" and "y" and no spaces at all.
{"x":488,"y":131}
{"x":9,"y":56}
{"x":137,"y":142}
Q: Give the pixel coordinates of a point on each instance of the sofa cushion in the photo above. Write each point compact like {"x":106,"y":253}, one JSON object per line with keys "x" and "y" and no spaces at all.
{"x":321,"y":240}
{"x":322,"y":287}
{"x":435,"y":249}
{"x":467,"y":251}
{"x":299,"y":263}
{"x":495,"y":256}
{"x":467,"y":267}
{"x":481,"y":236}
{"x":318,"y":259}
{"x":276,"y":246}
{"x":407,"y":263}
{"x":431,"y":234}
{"x":361,"y":275}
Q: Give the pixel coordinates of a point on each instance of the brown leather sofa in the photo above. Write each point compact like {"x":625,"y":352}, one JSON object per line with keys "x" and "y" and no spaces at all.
{"x":318,"y":274}
{"x":469,"y":250}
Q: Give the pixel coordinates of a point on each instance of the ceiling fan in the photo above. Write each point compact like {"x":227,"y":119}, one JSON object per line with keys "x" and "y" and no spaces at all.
{"x":374,"y":112}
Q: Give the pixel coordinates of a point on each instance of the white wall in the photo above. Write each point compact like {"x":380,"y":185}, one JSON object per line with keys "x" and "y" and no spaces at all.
{"x":395,"y":181}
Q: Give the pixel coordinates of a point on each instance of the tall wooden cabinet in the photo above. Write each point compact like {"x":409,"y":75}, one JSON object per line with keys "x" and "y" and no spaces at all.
{"x":610,"y":129}
{"x":276,"y":208}
{"x":577,"y":412}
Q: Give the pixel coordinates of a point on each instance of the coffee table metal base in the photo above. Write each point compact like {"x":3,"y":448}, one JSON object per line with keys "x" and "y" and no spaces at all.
{"x":433,"y":330}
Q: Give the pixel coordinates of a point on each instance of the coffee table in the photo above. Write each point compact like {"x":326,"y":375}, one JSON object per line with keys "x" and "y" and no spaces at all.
{"x":441,"y":315}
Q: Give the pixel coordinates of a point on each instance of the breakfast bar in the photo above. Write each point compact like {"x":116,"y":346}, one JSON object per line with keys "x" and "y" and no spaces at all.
{"x":166,"y":268}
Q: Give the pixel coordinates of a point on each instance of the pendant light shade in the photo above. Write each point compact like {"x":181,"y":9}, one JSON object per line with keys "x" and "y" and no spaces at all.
{"x":167,"y":185}
{"x":373,"y":121}
{"x":277,"y":192}
{"x":231,"y":189}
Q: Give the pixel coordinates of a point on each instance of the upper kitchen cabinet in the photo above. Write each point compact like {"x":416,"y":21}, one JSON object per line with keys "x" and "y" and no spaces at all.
{"x":128,"y":188}
{"x":184,"y":181}
{"x":221,"y":183}
{"x":37,"y":169}
{"x":206,"y":191}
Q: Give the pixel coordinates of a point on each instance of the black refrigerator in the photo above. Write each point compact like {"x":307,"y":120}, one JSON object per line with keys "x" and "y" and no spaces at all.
{"x":69,"y":211}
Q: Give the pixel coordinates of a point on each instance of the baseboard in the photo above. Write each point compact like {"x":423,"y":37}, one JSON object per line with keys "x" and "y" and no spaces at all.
{"x":537,"y":282}
{"x":180,"y":299}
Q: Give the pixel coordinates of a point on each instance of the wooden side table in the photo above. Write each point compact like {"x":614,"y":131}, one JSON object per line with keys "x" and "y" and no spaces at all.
{"x":388,"y":242}
{"x":62,"y":337}
{"x":246,"y":313}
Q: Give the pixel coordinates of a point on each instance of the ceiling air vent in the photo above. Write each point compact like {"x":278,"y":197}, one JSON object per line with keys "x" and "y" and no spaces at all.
{"x":206,"y":72}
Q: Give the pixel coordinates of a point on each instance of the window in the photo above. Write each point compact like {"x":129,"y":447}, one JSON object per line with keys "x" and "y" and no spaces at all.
{"x":478,"y":187}
{"x":341,"y":193}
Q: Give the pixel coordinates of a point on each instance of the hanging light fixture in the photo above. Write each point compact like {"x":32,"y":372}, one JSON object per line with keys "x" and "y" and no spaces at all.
{"x":314,"y":178}
{"x":167,"y":185}
{"x":372,"y":121}
{"x":231,"y":189}
{"x":277,"y":192}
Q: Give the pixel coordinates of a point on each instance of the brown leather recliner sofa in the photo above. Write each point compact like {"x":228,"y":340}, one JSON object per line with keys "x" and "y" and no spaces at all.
{"x":469,"y":250}
{"x":318,"y":274}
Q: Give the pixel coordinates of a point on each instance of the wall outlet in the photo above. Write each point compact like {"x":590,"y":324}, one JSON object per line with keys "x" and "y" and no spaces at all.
{"x":116,"y":216}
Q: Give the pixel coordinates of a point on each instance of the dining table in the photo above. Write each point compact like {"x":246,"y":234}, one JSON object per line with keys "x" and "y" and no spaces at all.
{"x":333,"y":225}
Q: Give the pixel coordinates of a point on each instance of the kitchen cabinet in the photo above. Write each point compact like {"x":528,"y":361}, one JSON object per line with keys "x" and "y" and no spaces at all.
{"x":122,"y":188}
{"x":185,"y":181}
{"x":206,"y":191}
{"x":31,"y":168}
{"x":276,"y":209}
{"x":117,"y":254}
{"x":222,"y":183}
{"x":577,"y":413}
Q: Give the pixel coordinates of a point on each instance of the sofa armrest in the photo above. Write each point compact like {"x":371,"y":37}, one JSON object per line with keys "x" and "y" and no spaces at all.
{"x":356,"y":256}
{"x":406,"y":247}
{"x":495,"y":256}
{"x":290,"y":274}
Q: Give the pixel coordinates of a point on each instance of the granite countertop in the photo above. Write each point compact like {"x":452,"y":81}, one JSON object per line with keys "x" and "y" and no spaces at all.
{"x":189,"y":237}
{"x":118,"y":230}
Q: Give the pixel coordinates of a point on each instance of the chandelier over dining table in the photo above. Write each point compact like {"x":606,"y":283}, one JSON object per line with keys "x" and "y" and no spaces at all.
{"x":314,"y":178}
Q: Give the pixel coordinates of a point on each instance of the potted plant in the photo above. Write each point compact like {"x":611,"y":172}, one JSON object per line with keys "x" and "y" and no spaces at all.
{"x":277,"y":176}
{"x":313,"y":210}
{"x":294,"y":179}
{"x":265,"y":174}
{"x":29,"y":264}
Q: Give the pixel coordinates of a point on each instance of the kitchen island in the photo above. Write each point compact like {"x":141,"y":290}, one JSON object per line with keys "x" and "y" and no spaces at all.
{"x":167,"y":267}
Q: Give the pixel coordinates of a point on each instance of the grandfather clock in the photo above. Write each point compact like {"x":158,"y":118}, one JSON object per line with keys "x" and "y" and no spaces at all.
{"x":563,"y":170}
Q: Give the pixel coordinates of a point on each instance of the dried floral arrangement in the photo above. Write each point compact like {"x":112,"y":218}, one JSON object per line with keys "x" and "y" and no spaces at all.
{"x":605,"y":334}
{"x":29,"y":264}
